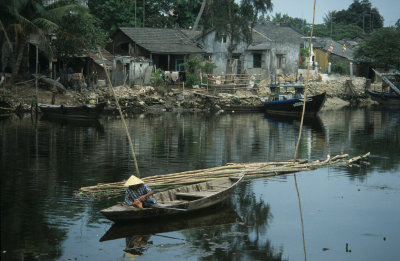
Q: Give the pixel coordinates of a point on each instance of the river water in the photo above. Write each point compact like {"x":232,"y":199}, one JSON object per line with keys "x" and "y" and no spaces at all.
{"x":349,"y":213}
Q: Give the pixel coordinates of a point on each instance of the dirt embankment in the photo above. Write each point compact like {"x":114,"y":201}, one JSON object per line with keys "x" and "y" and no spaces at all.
{"x":341,"y":92}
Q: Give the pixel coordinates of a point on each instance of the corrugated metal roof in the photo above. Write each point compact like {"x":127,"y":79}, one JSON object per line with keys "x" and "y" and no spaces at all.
{"x":162,"y":40}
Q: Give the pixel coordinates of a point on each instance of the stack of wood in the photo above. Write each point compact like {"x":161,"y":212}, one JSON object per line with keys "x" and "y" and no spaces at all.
{"x":258,"y":169}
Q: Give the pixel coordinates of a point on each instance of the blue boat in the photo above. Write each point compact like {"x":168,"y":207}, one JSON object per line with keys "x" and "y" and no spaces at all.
{"x":288,"y":99}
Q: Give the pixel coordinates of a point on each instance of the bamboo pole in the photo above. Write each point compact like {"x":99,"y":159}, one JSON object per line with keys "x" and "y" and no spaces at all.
{"x":120,"y":113}
{"x":254,"y":169}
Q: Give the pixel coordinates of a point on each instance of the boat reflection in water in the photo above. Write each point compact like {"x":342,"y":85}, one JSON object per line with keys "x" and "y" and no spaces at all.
{"x":138,"y":235}
{"x":315,"y":123}
{"x":73,"y":122}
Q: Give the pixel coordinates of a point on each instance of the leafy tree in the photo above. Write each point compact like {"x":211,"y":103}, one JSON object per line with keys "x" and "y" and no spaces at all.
{"x":74,"y":27}
{"x":337,"y":31}
{"x":362,"y":14}
{"x":381,"y":49}
{"x":131,"y":13}
{"x":235,"y":22}
{"x":300,"y":24}
{"x":78,"y":32}
{"x":20,"y":18}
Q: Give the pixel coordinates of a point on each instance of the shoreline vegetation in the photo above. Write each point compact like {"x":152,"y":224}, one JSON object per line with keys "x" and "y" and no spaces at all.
{"x":342,"y":91}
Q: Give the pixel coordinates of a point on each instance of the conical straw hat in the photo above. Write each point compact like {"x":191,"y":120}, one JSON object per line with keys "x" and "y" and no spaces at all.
{"x":133,"y":181}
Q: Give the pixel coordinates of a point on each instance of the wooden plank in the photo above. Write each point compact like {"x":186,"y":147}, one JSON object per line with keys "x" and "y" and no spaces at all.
{"x":197,"y":195}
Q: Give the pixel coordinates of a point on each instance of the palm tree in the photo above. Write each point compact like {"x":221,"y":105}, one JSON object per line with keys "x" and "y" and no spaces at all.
{"x":21,"y":18}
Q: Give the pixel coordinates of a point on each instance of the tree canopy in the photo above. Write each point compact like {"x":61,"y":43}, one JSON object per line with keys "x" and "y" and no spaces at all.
{"x":381,"y":49}
{"x":70,"y":22}
{"x":298,"y":23}
{"x":360,"y":13}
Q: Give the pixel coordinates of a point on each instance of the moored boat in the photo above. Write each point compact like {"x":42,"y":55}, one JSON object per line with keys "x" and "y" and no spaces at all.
{"x":390,"y":99}
{"x":288,"y":99}
{"x":6,"y":109}
{"x":82,"y":111}
{"x":389,"y":95}
{"x":182,"y":200}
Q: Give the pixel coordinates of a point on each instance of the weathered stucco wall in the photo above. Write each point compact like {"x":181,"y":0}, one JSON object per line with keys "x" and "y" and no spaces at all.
{"x":218,"y":50}
{"x":288,"y":51}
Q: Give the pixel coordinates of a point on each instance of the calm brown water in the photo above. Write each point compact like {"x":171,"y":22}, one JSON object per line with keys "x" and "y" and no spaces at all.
{"x":42,"y":163}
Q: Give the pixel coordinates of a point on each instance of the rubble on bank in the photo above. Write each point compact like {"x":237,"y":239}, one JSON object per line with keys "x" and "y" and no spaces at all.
{"x":148,"y":98}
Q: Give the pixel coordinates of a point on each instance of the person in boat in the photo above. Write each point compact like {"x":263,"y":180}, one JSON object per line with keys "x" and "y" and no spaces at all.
{"x":139,"y":194}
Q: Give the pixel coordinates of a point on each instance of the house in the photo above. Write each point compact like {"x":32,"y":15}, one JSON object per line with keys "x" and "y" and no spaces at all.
{"x":275,"y":48}
{"x":165,"y":48}
{"x":326,"y":50}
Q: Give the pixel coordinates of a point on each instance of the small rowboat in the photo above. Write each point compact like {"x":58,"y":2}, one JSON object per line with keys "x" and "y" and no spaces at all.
{"x":87,"y":111}
{"x":212,"y":217}
{"x":178,"y":201}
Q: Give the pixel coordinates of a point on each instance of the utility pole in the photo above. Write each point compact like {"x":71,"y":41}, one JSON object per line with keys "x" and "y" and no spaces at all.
{"x":135,"y":13}
{"x":144,"y":3}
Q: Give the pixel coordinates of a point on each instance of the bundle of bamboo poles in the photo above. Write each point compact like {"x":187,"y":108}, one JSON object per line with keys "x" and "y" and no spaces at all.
{"x":258,"y":169}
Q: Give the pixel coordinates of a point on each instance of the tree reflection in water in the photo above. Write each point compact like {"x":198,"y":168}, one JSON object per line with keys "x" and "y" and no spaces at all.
{"x":244,"y":241}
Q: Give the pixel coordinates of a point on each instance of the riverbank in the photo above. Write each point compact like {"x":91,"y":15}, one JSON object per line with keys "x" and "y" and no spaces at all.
{"x":341,"y":92}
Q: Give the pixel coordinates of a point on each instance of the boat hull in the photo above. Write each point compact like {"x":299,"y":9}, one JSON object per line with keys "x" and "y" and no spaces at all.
{"x":61,"y":111}
{"x":179,"y":201}
{"x":384,"y":98}
{"x":294,"y":107}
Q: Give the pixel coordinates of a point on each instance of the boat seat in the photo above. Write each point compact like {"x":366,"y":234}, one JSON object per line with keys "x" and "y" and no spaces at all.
{"x":191,"y":195}
{"x":171,"y":203}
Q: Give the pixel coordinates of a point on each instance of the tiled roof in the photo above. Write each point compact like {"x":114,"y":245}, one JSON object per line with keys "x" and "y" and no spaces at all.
{"x":162,"y":40}
{"x":279,"y":33}
{"x":324,"y":43}
{"x":192,"y":34}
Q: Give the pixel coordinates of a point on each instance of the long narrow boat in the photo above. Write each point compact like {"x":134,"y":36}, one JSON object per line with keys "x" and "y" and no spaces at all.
{"x":287,"y":99}
{"x":87,"y":111}
{"x":183,"y":200}
{"x":390,"y":99}
{"x":213,"y":217}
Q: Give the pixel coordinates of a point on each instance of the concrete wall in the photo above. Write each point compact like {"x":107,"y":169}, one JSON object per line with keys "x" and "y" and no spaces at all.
{"x":129,"y":71}
{"x":289,"y":51}
{"x":219,"y":52}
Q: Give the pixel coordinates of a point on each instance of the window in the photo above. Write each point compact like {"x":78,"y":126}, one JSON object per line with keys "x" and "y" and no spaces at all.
{"x":257,"y":60}
{"x":224,"y":39}
{"x":280,"y":61}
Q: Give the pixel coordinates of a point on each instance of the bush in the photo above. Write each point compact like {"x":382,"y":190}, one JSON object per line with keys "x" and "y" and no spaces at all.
{"x":341,"y":67}
{"x":156,"y":79}
{"x":192,"y":79}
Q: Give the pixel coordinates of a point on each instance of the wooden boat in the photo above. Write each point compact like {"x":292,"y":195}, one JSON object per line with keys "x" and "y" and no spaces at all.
{"x":214,"y":217}
{"x":178,"y":201}
{"x":389,"y":95}
{"x":287,"y":99}
{"x":383,"y":98}
{"x":87,"y":111}
{"x":6,"y":109}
